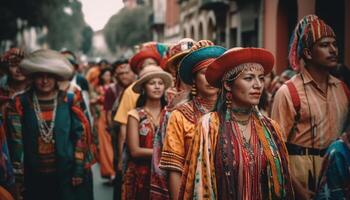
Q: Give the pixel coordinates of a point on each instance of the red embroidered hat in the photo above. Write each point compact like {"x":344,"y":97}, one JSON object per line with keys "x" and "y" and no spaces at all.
{"x":176,"y":53}
{"x":150,"y":50}
{"x":235,"y":57}
{"x":13,"y":56}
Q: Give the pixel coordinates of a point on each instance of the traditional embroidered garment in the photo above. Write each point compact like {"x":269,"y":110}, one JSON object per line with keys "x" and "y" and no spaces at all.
{"x":218,"y":166}
{"x":136,"y":180}
{"x":159,"y":177}
{"x":49,"y":167}
{"x":335,"y":174}
{"x":6,"y":170}
{"x":179,"y":134}
{"x":104,"y":138}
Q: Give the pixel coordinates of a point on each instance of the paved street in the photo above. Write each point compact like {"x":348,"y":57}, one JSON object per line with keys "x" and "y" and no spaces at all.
{"x":101,"y":190}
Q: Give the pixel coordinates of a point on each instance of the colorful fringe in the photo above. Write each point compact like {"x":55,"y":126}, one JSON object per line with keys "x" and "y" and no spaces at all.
{"x":295,"y":44}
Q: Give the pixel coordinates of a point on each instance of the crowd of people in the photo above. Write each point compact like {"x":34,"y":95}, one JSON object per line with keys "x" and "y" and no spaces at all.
{"x":188,"y":120}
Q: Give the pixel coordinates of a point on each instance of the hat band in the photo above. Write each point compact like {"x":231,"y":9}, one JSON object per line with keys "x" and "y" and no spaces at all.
{"x":201,"y":65}
{"x":180,"y":48}
{"x":236,"y":71}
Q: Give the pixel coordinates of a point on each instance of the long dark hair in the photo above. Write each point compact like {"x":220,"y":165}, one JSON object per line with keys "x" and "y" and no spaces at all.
{"x":103,"y":71}
{"x":141,"y":101}
{"x":220,"y":105}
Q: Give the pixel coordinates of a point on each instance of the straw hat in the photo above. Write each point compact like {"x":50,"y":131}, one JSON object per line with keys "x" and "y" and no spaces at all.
{"x":150,"y":72}
{"x":235,"y":57}
{"x":47,"y":61}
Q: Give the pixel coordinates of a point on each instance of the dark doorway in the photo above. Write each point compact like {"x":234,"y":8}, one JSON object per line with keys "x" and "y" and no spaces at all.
{"x":333,"y":13}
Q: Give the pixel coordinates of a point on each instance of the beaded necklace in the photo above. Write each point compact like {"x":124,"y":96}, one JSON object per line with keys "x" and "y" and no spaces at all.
{"x":251,"y":159}
{"x":45,"y":130}
{"x":202,"y":105}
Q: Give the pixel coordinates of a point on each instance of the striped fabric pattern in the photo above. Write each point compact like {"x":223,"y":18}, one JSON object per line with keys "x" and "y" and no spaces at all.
{"x":46,"y":151}
{"x":328,"y":111}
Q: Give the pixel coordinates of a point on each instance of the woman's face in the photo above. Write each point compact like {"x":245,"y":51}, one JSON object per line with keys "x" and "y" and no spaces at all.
{"x":44,"y":82}
{"x":107,"y":77}
{"x":155,"y":88}
{"x":202,"y":85}
{"x":247,"y":88}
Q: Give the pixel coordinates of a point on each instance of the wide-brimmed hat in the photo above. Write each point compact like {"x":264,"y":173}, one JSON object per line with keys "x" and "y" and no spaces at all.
{"x":177,"y":52}
{"x":153,"y":50}
{"x":47,"y":61}
{"x":235,"y":57}
{"x":200,"y":57}
{"x":150,"y":72}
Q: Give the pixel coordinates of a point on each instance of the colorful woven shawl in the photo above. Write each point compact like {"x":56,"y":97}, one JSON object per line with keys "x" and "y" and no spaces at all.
{"x":201,"y":162}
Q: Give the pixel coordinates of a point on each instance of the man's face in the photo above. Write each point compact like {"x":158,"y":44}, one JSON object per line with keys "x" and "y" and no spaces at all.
{"x":324,"y":53}
{"x":124,"y":75}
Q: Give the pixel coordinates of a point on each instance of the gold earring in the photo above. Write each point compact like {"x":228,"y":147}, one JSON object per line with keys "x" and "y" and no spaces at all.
{"x":194,"y":90}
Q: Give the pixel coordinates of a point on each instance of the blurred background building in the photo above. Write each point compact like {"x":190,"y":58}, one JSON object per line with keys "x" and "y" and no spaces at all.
{"x":230,"y":23}
{"x":261,"y":23}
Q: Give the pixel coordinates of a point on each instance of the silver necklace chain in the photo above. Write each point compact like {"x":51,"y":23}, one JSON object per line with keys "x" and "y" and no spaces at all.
{"x":45,"y":130}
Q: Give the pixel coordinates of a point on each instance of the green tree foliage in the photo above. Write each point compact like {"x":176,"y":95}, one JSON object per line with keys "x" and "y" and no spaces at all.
{"x":7,"y":21}
{"x":128,"y":27}
{"x":87,"y":39}
{"x":63,"y":18}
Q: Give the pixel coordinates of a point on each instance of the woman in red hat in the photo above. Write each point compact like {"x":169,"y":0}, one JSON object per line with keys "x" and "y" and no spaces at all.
{"x":183,"y":120}
{"x":143,"y":123}
{"x":237,"y":153}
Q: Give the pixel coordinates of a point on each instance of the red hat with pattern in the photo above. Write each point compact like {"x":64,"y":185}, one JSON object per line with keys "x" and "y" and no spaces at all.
{"x":233,"y":58}
{"x":13,"y":56}
{"x":176,"y":52}
{"x":153,"y":50}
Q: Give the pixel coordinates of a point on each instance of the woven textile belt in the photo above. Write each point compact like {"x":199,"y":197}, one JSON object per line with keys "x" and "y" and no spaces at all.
{"x":294,"y":149}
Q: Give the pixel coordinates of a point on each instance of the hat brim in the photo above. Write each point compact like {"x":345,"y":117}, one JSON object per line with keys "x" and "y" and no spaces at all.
{"x":190,"y":60}
{"x":172,"y":64}
{"x":232,"y":58}
{"x":166,"y":77}
{"x":142,"y":55}
{"x":47,"y":61}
